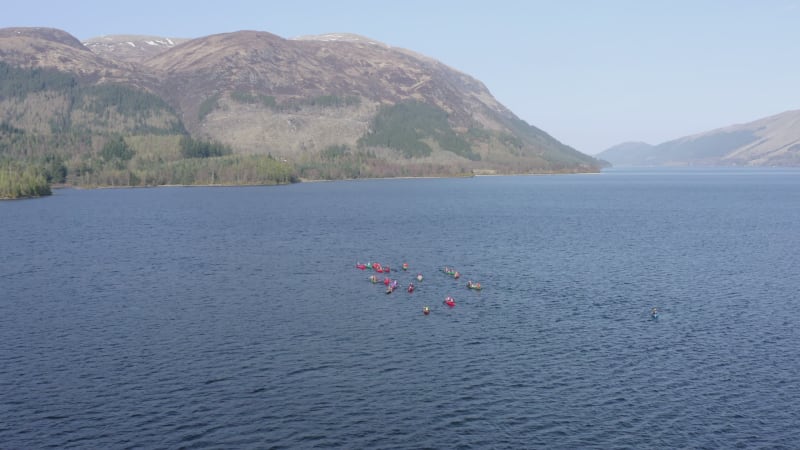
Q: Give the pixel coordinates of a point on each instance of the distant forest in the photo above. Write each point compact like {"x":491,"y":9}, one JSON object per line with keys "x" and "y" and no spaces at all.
{"x":56,"y":129}
{"x":407,"y":126}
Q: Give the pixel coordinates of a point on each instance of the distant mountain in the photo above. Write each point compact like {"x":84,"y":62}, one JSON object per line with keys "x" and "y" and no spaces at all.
{"x":625,"y":154}
{"x":336,"y":100}
{"x":771,"y":141}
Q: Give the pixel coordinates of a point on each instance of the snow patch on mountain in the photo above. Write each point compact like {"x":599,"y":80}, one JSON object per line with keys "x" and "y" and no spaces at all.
{"x":340,"y":37}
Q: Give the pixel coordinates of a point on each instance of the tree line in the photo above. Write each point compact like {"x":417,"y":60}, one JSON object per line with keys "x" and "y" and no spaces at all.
{"x":22,"y":180}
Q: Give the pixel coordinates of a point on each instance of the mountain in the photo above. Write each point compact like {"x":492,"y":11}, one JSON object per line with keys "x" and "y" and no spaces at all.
{"x":128,"y":48}
{"x":338,"y":101}
{"x":771,"y":141}
{"x":626,"y":153}
{"x":55,"y":49}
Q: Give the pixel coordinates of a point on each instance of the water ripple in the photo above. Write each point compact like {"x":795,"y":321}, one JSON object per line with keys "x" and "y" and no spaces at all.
{"x":244,"y":324}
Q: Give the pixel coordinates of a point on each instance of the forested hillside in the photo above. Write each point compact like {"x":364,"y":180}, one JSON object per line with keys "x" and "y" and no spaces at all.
{"x":57,"y":129}
{"x":250,"y":107}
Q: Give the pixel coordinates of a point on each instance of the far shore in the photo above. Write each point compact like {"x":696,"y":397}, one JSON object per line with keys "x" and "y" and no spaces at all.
{"x":309,"y":180}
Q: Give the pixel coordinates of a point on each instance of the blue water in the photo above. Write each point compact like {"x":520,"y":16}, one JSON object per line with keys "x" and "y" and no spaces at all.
{"x":235,"y":318}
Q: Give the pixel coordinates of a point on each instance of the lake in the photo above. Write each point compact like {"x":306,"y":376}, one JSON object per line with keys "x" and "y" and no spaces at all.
{"x":204,"y":317}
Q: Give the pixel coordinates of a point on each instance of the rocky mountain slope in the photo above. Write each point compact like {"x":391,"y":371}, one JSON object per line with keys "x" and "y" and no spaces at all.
{"x":771,"y":141}
{"x":316,"y":98}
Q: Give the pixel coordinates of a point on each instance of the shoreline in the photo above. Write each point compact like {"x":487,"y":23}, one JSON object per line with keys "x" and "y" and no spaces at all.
{"x":308,"y":180}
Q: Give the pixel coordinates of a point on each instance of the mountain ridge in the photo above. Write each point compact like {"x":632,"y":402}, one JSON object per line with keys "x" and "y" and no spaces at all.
{"x":769,"y":141}
{"x":130,"y":48}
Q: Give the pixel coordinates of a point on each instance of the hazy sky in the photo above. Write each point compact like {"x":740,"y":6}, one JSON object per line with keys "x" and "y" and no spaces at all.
{"x":590,"y":73}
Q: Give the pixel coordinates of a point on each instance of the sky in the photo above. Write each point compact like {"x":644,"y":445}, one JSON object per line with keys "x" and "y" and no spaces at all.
{"x":592,"y":74}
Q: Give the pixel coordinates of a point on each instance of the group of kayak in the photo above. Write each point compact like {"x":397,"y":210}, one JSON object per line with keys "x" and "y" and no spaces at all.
{"x":393,"y":284}
{"x":456,"y":274}
{"x":377,"y":267}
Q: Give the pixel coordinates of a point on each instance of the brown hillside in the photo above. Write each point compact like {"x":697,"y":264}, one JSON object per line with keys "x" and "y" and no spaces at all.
{"x":261,"y":93}
{"x":56,"y":49}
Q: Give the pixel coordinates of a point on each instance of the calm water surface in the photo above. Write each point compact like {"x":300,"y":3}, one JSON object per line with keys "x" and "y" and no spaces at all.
{"x":235,"y":318}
